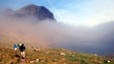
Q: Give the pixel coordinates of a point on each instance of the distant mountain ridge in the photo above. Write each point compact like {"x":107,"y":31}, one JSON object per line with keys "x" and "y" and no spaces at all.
{"x":39,"y":12}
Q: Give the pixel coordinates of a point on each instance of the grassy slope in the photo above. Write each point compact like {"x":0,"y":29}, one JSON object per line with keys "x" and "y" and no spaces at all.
{"x":51,"y":56}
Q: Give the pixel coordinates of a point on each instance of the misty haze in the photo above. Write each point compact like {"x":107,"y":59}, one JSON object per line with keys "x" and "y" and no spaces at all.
{"x":47,"y":32}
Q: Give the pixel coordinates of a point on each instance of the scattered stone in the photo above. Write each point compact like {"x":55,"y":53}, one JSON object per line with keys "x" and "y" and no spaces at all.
{"x":36,"y":49}
{"x":37,"y":60}
{"x":54,"y":60}
{"x":108,"y":61}
{"x":42,"y":61}
{"x":95,"y":55}
{"x":31,"y":61}
{"x":62,"y":54}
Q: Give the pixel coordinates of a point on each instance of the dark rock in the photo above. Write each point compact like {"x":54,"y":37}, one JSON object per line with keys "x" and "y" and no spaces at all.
{"x":40,"y":12}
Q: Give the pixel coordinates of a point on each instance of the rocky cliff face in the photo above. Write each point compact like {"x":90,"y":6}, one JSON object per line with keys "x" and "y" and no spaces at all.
{"x":39,"y":12}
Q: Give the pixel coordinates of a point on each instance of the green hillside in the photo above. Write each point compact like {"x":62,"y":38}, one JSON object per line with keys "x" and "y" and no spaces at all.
{"x":51,"y":56}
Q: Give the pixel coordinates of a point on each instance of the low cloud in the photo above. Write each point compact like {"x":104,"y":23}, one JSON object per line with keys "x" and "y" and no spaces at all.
{"x":46,"y":33}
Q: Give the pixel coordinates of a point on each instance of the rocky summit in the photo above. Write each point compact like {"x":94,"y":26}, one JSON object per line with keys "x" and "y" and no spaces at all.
{"x":38,"y":12}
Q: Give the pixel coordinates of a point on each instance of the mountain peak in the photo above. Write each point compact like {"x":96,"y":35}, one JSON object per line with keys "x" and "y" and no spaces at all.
{"x":40,"y":12}
{"x":32,"y":5}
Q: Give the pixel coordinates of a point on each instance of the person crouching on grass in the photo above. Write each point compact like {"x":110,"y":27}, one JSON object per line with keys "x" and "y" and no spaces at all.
{"x":22,"y":50}
{"x":15,"y":48}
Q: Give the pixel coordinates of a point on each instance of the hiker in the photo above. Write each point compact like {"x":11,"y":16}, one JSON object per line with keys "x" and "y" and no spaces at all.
{"x":15,"y":47}
{"x":22,"y":50}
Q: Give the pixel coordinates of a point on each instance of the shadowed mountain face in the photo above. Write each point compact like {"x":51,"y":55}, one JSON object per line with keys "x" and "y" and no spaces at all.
{"x":38,"y":12}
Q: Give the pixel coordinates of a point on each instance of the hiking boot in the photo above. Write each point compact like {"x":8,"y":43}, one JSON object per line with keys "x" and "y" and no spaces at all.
{"x":23,"y":57}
